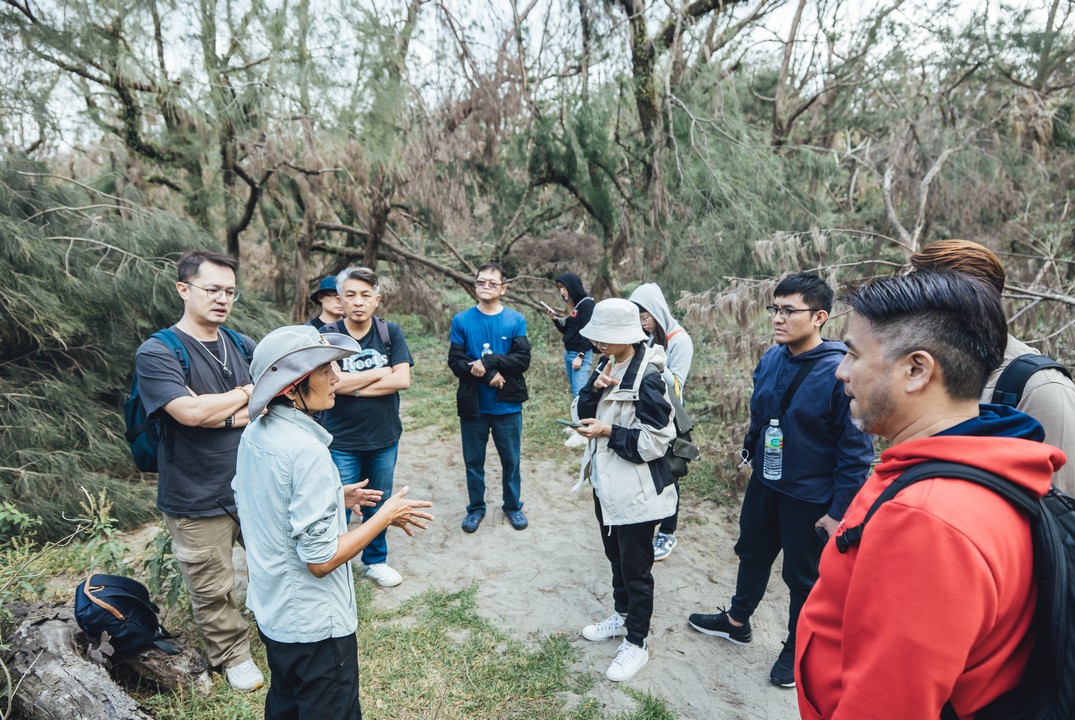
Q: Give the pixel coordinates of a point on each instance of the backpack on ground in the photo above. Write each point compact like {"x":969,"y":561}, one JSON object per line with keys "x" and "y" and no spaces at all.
{"x":121,"y":607}
{"x":681,"y":451}
{"x":1046,"y":691}
{"x":1010,"y":384}
{"x":144,"y":433}
{"x":380,"y":323}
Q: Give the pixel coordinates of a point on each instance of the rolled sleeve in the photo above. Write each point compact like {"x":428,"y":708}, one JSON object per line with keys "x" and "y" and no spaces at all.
{"x":314,"y":506}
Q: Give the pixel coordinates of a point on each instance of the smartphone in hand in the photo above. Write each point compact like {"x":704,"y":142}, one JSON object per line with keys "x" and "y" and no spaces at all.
{"x":569,"y":423}
{"x":547,"y":306}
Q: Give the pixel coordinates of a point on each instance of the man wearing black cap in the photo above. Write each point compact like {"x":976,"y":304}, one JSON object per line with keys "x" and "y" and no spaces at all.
{"x":328,"y":297}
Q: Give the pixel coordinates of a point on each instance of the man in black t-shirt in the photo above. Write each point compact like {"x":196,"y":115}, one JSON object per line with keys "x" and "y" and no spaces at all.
{"x":365,"y":422}
{"x":202,"y":413}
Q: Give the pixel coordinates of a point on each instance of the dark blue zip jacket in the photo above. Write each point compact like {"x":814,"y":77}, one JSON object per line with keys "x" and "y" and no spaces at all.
{"x":826,"y":458}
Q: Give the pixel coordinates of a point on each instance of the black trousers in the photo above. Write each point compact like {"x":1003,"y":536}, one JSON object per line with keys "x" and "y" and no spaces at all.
{"x":769,"y":522}
{"x":313,"y":681}
{"x":629,"y":549}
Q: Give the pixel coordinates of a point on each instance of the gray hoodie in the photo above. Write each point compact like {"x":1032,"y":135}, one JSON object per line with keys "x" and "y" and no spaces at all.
{"x":680,"y":346}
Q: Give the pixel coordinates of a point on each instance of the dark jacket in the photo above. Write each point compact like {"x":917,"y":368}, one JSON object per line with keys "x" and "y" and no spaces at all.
{"x":826,"y":458}
{"x":511,"y":365}
{"x":572,"y":324}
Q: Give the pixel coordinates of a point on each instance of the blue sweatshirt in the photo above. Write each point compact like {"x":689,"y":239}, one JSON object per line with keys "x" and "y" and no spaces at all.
{"x":826,"y":458}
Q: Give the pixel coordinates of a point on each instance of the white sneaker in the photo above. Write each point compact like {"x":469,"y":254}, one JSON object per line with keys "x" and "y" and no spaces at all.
{"x":629,"y":659}
{"x":245,"y":677}
{"x":611,"y":627}
{"x":663,"y":546}
{"x":575,"y":440}
{"x":383,"y":575}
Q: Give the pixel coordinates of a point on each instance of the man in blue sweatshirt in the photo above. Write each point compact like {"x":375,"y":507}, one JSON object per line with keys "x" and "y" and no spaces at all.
{"x":796,"y":497}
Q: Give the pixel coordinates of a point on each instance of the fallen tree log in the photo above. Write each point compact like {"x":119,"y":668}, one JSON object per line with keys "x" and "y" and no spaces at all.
{"x":54,"y":681}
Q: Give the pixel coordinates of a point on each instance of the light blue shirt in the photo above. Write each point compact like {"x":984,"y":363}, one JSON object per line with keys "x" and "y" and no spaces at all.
{"x":290,"y":503}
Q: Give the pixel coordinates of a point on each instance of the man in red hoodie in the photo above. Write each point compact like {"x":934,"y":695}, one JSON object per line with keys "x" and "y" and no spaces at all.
{"x":934,"y":606}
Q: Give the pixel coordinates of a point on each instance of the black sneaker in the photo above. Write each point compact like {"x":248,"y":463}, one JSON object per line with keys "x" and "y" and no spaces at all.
{"x":719,"y":626}
{"x":783,"y":672}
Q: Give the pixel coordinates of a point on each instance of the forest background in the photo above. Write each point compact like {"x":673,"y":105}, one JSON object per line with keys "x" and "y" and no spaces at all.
{"x":709,"y":146}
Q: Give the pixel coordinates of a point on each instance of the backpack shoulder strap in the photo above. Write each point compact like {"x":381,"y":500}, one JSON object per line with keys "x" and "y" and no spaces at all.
{"x":332,"y":327}
{"x":785,"y":402}
{"x":172,"y":342}
{"x":237,"y":340}
{"x":382,"y":331}
{"x":1022,"y":500}
{"x":683,"y":420}
{"x":1010,"y":384}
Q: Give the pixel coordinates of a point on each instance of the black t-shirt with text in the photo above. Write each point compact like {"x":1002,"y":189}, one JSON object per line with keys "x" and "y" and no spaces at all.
{"x":365,"y":424}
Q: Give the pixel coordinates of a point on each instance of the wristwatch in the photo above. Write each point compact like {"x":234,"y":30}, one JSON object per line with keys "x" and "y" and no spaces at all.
{"x":229,"y":421}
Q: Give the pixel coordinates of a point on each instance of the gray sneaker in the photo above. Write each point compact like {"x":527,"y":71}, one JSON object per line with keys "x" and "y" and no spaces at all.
{"x":663,"y":546}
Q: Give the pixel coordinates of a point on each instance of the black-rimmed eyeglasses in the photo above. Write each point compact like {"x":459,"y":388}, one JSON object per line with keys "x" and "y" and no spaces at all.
{"x":786,"y":312}
{"x":228,"y":294}
{"x":487,"y":283}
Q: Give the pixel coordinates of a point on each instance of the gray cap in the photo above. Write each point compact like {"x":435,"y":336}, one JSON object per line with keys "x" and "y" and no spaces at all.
{"x":614,"y":321}
{"x":287,"y":354}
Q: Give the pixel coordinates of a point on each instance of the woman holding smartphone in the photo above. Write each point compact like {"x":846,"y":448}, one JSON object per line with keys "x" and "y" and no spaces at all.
{"x":628,"y":424}
{"x":578,"y":306}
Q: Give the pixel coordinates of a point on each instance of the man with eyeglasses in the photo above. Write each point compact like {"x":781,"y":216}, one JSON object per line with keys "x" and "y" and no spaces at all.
{"x":200,"y":394}
{"x":796,"y":506}
{"x":489,"y":353}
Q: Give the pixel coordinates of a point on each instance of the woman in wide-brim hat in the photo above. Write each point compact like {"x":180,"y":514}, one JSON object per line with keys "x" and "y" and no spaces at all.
{"x":291,"y":506}
{"x":627,"y":420}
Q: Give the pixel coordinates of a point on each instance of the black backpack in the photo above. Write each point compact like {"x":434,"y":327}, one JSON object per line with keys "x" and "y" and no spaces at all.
{"x":121,"y":607}
{"x":1046,"y":691}
{"x":144,"y":433}
{"x":1010,"y":384}
{"x":681,"y":450}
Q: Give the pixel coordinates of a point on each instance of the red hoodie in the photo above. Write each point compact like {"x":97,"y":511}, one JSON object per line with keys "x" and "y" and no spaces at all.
{"x":935,"y":602}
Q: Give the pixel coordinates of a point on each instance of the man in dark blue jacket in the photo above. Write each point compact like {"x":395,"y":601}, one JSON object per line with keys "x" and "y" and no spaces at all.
{"x":799,"y":487}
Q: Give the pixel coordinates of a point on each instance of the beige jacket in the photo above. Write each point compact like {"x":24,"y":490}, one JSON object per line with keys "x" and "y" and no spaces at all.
{"x":626,"y":489}
{"x":1049,"y":398}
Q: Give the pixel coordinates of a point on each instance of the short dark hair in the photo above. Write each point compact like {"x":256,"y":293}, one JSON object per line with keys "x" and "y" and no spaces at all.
{"x":493,"y":266}
{"x":955,"y":317}
{"x":815,"y":292}
{"x":190,"y":263}
{"x":358,"y":273}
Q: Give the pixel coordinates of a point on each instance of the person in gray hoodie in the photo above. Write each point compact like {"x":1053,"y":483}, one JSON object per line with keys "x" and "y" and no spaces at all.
{"x":663,"y":330}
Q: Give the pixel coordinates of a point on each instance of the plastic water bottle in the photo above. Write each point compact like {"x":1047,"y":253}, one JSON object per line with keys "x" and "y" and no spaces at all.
{"x":486,"y":350}
{"x":772,"y":460}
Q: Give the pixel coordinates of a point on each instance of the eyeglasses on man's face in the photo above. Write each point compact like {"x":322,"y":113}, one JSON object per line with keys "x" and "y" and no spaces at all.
{"x":480,"y":283}
{"x":227,"y":294}
{"x":786,"y":312}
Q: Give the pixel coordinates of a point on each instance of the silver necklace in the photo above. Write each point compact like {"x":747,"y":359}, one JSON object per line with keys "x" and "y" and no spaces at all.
{"x":223,"y":363}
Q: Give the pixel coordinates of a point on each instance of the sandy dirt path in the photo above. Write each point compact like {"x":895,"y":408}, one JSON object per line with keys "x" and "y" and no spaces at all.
{"x":553,"y":577}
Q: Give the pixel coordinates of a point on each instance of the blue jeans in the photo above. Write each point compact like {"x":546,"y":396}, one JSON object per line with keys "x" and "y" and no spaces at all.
{"x":577,"y":378}
{"x":379,"y":466}
{"x":507,"y":431}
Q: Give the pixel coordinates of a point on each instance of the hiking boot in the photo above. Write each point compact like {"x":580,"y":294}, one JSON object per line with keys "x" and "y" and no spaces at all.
{"x":473,"y":520}
{"x":629,"y":659}
{"x":244,"y":677}
{"x":783,"y":672}
{"x":663,"y":546}
{"x":611,"y":627}
{"x":719,"y":626}
{"x":383,"y":575}
{"x":517,"y":519}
